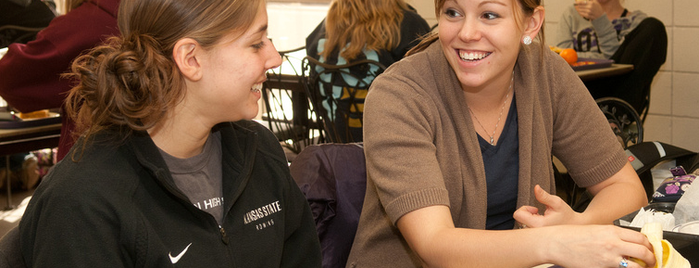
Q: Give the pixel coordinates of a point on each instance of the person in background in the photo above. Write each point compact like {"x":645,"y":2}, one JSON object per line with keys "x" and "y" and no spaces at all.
{"x":169,"y":169}
{"x":31,"y":74}
{"x":379,"y":30}
{"x":459,"y":138}
{"x":29,"y":14}
{"x":23,"y":13}
{"x":596,"y":28}
{"x":354,"y":30}
{"x":605,"y":29}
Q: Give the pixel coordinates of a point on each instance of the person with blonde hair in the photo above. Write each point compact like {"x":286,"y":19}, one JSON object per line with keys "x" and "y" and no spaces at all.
{"x":459,"y":137}
{"x":380,"y":30}
{"x":170,"y":170}
{"x":354,"y":30}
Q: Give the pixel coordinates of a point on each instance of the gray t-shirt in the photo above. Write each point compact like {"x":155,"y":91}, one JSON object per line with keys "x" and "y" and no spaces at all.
{"x":199,"y":177}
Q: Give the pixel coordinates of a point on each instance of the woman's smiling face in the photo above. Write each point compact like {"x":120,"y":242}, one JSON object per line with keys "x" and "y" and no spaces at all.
{"x":481,"y":40}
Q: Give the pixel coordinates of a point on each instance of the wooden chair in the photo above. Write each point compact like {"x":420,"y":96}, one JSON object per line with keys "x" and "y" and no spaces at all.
{"x":287,"y":110}
{"x":338,"y":92}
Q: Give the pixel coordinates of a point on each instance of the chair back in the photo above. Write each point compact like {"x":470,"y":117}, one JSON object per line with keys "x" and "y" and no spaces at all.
{"x":288,"y":112}
{"x":17,"y":34}
{"x":338,"y":92}
{"x":623,"y":120}
{"x":646,"y":49}
{"x":332,"y":176}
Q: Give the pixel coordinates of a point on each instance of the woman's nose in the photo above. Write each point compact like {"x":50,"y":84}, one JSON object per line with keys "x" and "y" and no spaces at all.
{"x":470,"y":31}
{"x":274,"y":59}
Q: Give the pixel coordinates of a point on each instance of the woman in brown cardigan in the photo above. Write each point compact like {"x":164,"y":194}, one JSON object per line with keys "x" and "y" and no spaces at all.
{"x":459,"y":139}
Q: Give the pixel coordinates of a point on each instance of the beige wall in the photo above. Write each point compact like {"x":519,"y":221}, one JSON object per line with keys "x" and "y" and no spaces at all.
{"x":674,"y":107}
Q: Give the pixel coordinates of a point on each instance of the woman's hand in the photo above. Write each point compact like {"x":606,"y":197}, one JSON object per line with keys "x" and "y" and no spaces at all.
{"x":589,"y":9}
{"x":557,"y":211}
{"x":598,"y":246}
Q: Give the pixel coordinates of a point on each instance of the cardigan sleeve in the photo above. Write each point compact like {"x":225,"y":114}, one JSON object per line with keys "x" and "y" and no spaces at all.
{"x":582,"y":137}
{"x":399,"y":126}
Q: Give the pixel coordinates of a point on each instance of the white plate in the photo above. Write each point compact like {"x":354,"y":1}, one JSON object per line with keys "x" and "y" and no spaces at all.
{"x":691,"y":227}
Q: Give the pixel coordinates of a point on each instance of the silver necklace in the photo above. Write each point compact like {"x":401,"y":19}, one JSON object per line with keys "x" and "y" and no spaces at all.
{"x":492,"y":137}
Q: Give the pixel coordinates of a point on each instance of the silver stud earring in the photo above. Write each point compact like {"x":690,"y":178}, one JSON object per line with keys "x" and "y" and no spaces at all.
{"x":527,"y":40}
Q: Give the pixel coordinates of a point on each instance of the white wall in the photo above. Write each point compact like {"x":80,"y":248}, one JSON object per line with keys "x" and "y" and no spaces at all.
{"x":674,"y":106}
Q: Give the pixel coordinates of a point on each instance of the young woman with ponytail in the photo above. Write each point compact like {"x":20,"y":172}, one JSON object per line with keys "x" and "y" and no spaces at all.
{"x":169,"y":170}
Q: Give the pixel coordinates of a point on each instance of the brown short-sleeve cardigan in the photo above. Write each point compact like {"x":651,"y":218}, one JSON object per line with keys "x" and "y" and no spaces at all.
{"x":422,"y":149}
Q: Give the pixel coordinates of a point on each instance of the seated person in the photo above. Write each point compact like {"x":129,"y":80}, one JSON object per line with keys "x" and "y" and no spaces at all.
{"x":459,"y":138}
{"x":606,"y":30}
{"x":23,"y":13}
{"x":379,"y":30}
{"x":32,"y":72}
{"x":169,"y":170}
{"x":596,"y":28}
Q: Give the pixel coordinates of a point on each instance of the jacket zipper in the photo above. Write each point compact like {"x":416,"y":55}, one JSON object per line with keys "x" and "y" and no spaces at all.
{"x":224,"y":237}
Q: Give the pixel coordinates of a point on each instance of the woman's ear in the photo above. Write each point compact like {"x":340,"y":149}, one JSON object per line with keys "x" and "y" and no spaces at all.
{"x":534,"y":22}
{"x":186,"y":53}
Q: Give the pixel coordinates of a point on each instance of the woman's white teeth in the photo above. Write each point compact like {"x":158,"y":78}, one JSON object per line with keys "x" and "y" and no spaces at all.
{"x":473,"y":55}
{"x":257,"y":87}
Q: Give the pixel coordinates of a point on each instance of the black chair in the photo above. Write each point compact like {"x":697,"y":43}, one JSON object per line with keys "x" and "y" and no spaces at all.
{"x":287,"y":110}
{"x":337,"y":92}
{"x":628,"y":128}
{"x":17,"y":34}
{"x":333,"y":179}
{"x":623,"y":119}
{"x":646,"y":48}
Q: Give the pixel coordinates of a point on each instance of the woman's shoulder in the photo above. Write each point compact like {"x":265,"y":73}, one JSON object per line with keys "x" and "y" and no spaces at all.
{"x":267,"y":142}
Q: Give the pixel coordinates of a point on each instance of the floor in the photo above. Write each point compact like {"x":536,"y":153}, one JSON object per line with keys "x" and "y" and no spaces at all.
{"x":9,"y":218}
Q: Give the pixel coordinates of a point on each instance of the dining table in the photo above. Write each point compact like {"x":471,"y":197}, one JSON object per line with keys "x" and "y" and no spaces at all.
{"x":288,"y":75}
{"x":596,"y":73}
{"x":30,"y":136}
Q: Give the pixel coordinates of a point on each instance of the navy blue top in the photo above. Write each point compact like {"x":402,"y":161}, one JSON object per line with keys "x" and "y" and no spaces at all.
{"x":501,"y":163}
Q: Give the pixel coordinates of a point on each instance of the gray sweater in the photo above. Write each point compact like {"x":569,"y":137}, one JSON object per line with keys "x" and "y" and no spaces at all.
{"x":597,"y":39}
{"x":422,"y":149}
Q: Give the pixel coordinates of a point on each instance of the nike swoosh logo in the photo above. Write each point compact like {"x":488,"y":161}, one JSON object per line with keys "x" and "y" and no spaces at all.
{"x":177,"y":258}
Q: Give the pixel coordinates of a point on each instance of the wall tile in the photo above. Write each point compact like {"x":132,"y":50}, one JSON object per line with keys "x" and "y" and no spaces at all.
{"x":661,"y":94}
{"x":684,"y":45}
{"x":685,"y":12}
{"x":685,"y":94}
{"x":667,"y":66}
{"x":554,"y":9}
{"x":684,"y":133}
{"x":661,"y":10}
{"x":658,"y":128}
{"x":425,"y":8}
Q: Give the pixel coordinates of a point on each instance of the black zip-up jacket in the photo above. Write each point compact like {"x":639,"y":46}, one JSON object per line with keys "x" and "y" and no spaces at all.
{"x":118,"y":206}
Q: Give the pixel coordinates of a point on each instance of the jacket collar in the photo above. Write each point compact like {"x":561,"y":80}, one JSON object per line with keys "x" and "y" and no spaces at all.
{"x":239,"y":146}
